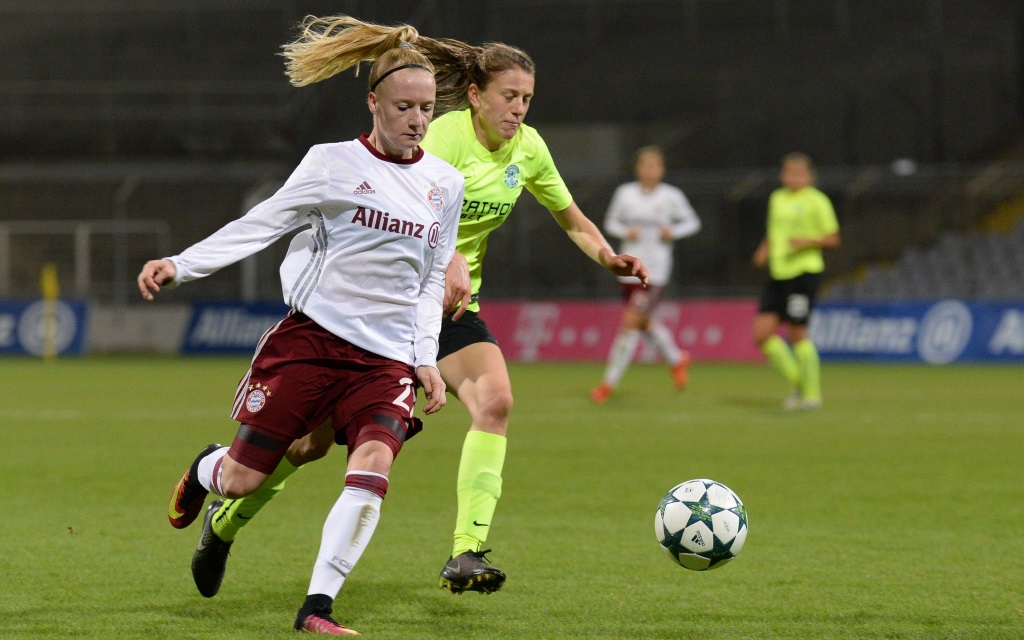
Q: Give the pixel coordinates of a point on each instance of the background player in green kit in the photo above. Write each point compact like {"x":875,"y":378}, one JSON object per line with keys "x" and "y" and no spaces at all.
{"x":801,"y":222}
{"x":486,"y":92}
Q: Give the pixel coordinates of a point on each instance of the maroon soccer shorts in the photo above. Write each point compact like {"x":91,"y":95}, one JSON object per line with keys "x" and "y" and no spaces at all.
{"x":640,"y":299}
{"x":301,"y":375}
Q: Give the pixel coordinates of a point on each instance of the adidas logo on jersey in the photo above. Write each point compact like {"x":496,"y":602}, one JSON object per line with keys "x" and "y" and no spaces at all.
{"x":364,"y":189}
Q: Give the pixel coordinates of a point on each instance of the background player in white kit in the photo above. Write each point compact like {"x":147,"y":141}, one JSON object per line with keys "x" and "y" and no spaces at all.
{"x":649,"y":216}
{"x":365,"y":283}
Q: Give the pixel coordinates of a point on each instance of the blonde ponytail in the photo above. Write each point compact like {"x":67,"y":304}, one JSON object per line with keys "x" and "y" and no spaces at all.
{"x":327,"y":46}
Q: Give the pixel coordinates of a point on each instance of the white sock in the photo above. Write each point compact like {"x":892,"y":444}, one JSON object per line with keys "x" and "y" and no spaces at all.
{"x":620,"y":356}
{"x":347,"y":532}
{"x":662,"y":339}
{"x":206,"y":469}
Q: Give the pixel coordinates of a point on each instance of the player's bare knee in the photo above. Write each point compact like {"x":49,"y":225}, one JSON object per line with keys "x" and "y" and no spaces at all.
{"x":494,"y":412}
{"x":374,"y":456}
{"x":235,"y":488}
{"x":762,"y":330}
{"x":307,"y":450}
{"x":236,"y":485}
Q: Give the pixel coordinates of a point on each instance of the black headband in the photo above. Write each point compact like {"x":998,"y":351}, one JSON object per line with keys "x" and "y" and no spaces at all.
{"x":398,"y":68}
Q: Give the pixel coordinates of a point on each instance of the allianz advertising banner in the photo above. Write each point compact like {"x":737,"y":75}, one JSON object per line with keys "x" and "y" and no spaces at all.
{"x":527,"y":331}
{"x":23,"y":327}
{"x":940,"y":332}
{"x":230,"y":327}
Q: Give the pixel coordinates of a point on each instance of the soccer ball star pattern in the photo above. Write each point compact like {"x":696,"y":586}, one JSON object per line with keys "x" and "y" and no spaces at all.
{"x":701,"y":524}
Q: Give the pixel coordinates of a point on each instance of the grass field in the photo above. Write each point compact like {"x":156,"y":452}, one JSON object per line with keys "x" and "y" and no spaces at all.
{"x":895,"y":512}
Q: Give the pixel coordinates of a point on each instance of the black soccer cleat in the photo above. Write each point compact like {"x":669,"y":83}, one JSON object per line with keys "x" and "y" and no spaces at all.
{"x":211,"y":556}
{"x":188,"y":496}
{"x":469,"y":571}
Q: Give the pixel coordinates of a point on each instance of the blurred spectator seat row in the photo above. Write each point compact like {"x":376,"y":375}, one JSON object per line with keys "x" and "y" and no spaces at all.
{"x":978,"y":265}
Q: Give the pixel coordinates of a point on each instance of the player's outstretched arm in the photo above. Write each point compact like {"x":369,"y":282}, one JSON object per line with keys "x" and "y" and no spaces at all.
{"x":458,"y":290}
{"x":828,"y":241}
{"x":433,"y":388}
{"x":155,"y":273}
{"x":589,"y":239}
{"x":760,"y":257}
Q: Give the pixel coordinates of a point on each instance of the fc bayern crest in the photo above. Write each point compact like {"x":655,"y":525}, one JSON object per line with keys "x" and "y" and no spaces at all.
{"x":257,"y":397}
{"x":256,"y":401}
{"x":512,"y":176}
{"x":435,"y":198}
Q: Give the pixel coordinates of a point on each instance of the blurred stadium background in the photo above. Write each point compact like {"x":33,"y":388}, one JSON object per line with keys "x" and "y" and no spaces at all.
{"x":131,"y":129}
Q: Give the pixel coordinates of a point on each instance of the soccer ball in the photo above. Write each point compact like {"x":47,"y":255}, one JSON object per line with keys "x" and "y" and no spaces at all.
{"x":701,"y":524}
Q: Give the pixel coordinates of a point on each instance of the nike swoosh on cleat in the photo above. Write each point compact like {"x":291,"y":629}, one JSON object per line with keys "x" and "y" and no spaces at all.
{"x":173,"y":509}
{"x":241,"y":517}
{"x":477,"y":524}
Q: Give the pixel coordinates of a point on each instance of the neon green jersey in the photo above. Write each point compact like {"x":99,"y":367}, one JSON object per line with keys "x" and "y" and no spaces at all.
{"x":494,"y":181}
{"x":806,"y":213}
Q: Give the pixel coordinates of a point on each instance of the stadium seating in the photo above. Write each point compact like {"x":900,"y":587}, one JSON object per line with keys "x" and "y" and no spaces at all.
{"x":980,"y":265}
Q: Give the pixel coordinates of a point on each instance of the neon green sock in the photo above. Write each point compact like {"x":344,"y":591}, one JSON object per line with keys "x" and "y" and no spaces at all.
{"x":782,"y":358}
{"x":235,"y":514}
{"x":810,"y":369}
{"x":479,"y":487}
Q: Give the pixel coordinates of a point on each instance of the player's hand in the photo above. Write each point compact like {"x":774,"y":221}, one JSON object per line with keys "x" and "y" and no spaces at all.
{"x":666,"y":234}
{"x":632,"y":234}
{"x":627,"y":265}
{"x":458,"y":289}
{"x":760,"y":258}
{"x":155,"y":273}
{"x":433,"y":388}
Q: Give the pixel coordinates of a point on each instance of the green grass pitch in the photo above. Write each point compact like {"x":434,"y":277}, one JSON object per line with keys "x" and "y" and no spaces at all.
{"x":897,"y":511}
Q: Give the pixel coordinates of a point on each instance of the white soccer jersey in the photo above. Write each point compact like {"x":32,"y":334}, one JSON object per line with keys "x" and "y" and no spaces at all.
{"x":371,"y":267}
{"x":649,"y":212}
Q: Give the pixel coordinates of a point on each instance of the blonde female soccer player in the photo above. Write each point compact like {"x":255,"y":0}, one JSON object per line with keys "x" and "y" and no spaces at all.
{"x":801,"y":222}
{"x":649,"y":216}
{"x":366,"y":284}
{"x":487,"y":92}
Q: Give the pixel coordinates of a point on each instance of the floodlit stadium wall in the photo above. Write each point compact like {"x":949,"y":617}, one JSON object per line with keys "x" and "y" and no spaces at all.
{"x":934,"y":332}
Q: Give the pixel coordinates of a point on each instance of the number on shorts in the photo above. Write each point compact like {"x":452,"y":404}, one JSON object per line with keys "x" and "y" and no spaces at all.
{"x":408,"y":393}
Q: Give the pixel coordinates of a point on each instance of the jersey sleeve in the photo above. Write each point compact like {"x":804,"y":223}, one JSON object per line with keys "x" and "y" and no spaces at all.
{"x":615,"y":222}
{"x":429,"y":310}
{"x":546,"y":184}
{"x":259,"y":228}
{"x":827,"y":216}
{"x":683,"y":220}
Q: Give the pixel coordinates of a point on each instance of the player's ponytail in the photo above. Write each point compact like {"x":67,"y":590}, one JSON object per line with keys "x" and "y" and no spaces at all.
{"x":327,"y":46}
{"x":330,"y":45}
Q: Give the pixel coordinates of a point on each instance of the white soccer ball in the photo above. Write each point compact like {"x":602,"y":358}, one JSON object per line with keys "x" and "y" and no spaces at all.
{"x":701,"y":524}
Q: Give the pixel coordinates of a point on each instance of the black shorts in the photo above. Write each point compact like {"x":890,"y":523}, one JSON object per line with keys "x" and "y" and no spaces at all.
{"x":470,"y":329}
{"x":792,"y":300}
